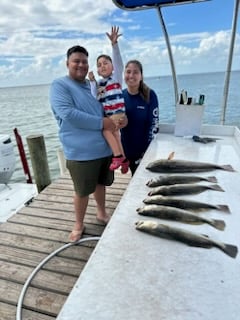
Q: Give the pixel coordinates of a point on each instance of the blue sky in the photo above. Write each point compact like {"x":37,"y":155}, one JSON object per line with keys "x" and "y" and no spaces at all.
{"x":34,"y":36}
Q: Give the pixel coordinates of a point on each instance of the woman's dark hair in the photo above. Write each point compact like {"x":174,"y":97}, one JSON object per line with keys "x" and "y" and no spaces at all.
{"x":76,"y":49}
{"x":105,"y":56}
{"x":144,"y":90}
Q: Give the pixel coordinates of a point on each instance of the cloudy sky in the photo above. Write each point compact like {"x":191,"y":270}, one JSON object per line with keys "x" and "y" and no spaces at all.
{"x":35,"y":35}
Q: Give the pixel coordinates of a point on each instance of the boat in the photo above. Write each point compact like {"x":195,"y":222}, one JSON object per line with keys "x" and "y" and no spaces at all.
{"x":7,"y":159}
{"x":138,"y":276}
{"x":13,"y":196}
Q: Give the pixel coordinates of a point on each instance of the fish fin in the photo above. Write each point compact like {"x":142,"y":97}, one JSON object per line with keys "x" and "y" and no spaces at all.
{"x":230,"y":250}
{"x":223,"y":208}
{"x":211,"y":179}
{"x":171,"y":156}
{"x":218,"y":224}
{"x":216,"y":187}
{"x":228,"y":167}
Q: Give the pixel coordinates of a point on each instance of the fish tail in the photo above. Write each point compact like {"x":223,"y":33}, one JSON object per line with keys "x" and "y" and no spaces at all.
{"x":227,"y":167}
{"x":212,"y":179}
{"x":230,"y":250}
{"x":216,"y":187}
{"x":218,"y":224}
{"x":223,"y":208}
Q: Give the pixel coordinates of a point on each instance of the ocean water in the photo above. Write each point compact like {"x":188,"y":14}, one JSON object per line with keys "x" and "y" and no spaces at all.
{"x":27,"y":109}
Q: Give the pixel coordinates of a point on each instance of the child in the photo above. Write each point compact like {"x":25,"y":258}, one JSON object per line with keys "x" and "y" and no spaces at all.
{"x":108,"y":91}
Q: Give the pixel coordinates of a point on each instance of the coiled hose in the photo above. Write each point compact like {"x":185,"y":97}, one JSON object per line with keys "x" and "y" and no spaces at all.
{"x":39,"y":266}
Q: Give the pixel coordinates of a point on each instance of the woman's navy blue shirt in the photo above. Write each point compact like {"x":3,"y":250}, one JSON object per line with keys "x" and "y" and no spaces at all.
{"x":143,"y":123}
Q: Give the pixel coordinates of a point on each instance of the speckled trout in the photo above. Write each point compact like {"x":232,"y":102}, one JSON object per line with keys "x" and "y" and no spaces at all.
{"x":184,"y":203}
{"x":176,"y":214}
{"x":178,"y":189}
{"x":179,"y":166}
{"x":190,"y":238}
{"x":177,"y":179}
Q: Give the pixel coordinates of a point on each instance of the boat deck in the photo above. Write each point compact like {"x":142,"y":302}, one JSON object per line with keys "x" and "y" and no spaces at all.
{"x":36,"y":231}
{"x":13,"y":196}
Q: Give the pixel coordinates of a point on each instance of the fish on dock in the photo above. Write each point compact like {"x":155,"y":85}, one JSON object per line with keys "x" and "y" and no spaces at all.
{"x":180,"y":166}
{"x":179,"y":189}
{"x":176,"y":214}
{"x":185,"y":236}
{"x":178,"y":179}
{"x":184,"y":203}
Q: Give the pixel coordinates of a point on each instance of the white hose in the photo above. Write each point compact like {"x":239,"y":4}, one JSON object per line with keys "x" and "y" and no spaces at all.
{"x":39,"y":266}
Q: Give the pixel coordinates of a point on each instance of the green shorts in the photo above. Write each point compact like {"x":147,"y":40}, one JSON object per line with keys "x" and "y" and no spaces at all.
{"x":86,"y":175}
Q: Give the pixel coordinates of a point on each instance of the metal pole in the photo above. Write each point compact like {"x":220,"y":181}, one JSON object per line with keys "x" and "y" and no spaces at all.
{"x":229,"y":65}
{"x":170,"y":54}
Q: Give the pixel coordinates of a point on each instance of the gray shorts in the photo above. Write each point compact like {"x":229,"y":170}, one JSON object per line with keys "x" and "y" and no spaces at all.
{"x":87,"y":174}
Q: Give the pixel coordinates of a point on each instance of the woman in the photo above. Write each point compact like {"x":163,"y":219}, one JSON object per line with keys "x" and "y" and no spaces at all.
{"x":141,"y":105}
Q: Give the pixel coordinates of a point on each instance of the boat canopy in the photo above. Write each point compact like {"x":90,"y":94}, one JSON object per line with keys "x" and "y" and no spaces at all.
{"x":148,"y":4}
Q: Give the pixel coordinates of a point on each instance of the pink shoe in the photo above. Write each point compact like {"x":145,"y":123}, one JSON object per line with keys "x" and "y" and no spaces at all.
{"x":124,"y":166}
{"x":116,"y":163}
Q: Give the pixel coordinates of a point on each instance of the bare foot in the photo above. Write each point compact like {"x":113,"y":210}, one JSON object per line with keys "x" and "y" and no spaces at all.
{"x":76,"y":235}
{"x":103,"y":219}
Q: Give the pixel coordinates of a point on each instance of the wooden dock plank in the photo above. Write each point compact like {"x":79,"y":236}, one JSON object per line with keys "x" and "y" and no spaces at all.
{"x":50,"y":228}
{"x":44,"y":279}
{"x":8,"y":312}
{"x":44,"y":224}
{"x":50,"y":213}
{"x":58,"y":200}
{"x":36,"y":231}
{"x":24,"y":257}
{"x":35,"y":299}
{"x":44,"y":245}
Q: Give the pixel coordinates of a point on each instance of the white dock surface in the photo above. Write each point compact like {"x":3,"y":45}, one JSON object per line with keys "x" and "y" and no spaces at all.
{"x":132,"y":275}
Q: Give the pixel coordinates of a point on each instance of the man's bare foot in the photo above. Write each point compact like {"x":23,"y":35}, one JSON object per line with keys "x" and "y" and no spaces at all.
{"x":103,"y":219}
{"x":76,"y":235}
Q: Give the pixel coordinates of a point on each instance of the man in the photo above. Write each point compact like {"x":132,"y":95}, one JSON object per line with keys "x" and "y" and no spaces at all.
{"x":80,"y":119}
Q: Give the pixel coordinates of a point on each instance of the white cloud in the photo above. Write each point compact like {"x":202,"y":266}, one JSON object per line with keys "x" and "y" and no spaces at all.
{"x":35,"y":35}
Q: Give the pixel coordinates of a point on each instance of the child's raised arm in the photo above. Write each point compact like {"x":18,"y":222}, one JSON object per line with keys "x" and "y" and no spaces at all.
{"x":116,"y":54}
{"x":113,"y":37}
